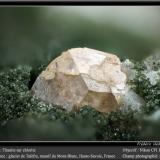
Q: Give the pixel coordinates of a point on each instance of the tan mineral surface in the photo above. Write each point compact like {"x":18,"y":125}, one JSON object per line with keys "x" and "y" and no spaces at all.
{"x":82,"y":76}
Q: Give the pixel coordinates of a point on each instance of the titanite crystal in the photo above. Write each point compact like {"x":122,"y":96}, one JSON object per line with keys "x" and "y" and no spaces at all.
{"x":82,"y":76}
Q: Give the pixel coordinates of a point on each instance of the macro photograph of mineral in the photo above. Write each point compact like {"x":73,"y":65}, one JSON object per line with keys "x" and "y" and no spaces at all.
{"x":80,"y":73}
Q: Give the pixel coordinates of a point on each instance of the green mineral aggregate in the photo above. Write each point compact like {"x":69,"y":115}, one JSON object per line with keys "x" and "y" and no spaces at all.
{"x":24,"y":117}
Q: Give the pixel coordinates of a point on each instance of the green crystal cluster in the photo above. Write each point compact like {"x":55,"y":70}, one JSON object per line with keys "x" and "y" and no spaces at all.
{"x":24,"y":117}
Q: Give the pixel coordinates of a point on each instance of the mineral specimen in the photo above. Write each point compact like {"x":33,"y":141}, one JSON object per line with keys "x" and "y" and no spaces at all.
{"x":82,"y":76}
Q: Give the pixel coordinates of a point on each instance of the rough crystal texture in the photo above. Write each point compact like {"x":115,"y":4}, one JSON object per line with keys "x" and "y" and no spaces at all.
{"x":82,"y":76}
{"x":130,"y":99}
{"x":128,"y":69}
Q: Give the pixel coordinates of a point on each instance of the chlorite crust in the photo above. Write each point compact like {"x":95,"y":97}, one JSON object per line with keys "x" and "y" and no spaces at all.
{"x":82,"y":76}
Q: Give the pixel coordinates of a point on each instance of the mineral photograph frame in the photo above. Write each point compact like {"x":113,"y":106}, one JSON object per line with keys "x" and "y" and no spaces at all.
{"x":80,"y":73}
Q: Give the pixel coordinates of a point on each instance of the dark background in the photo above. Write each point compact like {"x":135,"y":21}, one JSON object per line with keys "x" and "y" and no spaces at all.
{"x":36,"y":35}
